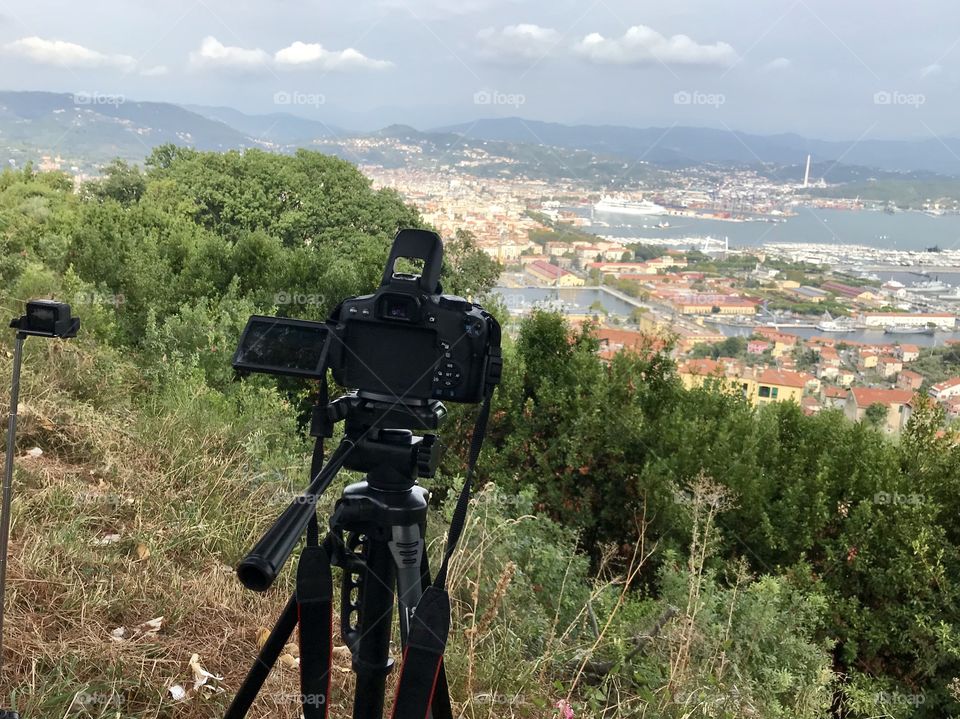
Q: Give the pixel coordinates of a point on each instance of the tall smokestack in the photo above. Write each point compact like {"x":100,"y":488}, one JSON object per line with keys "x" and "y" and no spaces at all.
{"x":806,"y":175}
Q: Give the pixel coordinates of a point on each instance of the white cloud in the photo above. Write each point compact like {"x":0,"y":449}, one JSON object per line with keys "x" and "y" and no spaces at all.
{"x":314,"y":55}
{"x":517,"y":42}
{"x":214,"y":54}
{"x":780,"y":63}
{"x":155,"y":71}
{"x":66,"y":54}
{"x":934,"y":69}
{"x":642,"y":44}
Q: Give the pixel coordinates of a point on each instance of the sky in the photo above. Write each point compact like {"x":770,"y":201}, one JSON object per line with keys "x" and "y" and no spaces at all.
{"x":844,"y":70}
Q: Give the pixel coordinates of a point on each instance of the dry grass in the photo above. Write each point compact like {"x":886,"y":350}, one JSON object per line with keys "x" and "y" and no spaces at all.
{"x":127,"y":517}
{"x":139,"y":507}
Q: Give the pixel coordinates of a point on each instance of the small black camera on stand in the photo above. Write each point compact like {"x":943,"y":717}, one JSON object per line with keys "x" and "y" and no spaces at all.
{"x":44,"y":318}
{"x":402,"y":350}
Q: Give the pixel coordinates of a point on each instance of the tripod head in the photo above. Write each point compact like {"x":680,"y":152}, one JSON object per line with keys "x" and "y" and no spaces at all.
{"x":378,"y":440}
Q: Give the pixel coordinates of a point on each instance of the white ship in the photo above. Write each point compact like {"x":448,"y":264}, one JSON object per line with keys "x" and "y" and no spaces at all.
{"x":619,"y":206}
{"x":907,"y":330}
{"x":929,"y":286}
{"x":834,"y":326}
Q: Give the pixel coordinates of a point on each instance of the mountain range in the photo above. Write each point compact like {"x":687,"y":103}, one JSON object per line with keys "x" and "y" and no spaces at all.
{"x":93,"y":129}
{"x":679,"y":145}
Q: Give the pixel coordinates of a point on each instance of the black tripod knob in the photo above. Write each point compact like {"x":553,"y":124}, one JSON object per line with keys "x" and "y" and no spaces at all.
{"x":429,"y":453}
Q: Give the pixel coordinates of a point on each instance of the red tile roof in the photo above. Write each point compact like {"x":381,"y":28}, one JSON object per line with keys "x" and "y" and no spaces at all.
{"x":866,"y":396}
{"x":782,"y":378}
{"x":548,"y":269}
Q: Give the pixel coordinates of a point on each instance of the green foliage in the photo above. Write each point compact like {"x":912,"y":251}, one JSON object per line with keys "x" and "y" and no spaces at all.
{"x":876,"y":414}
{"x":828,"y":503}
{"x":470,"y":271}
{"x":852,"y":537}
{"x":121,"y":183}
{"x":730,"y":347}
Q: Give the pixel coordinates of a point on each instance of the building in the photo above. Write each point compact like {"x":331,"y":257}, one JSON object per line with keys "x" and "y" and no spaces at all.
{"x":613,"y":340}
{"x":908,"y":379}
{"x":889,"y":366}
{"x":810,"y":406}
{"x":759,"y":386}
{"x":894,"y":289}
{"x":845,"y":377}
{"x":714,"y":304}
{"x":908,"y":353}
{"x":943,"y":391}
{"x":637,"y":269}
{"x":778,"y":386}
{"x":895,"y":400}
{"x":867,"y":359}
{"x":783,"y":343}
{"x":834,"y":397}
{"x":940,"y":320}
{"x":758,"y":347}
{"x":543,"y":273}
{"x":805,"y":293}
{"x":859,"y":294}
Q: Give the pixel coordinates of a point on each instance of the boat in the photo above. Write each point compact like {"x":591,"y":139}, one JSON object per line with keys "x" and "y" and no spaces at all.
{"x":907,"y":330}
{"x":929,"y":286}
{"x":834,"y":326}
{"x":619,"y":206}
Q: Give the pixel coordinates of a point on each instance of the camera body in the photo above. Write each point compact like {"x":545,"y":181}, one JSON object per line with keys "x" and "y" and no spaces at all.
{"x":406,"y":343}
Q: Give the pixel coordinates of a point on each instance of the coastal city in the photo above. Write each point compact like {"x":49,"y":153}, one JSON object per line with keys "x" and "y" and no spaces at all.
{"x":857,"y":328}
{"x":705,"y":261}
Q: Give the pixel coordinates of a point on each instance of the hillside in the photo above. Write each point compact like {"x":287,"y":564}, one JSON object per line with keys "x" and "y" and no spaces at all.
{"x":635,"y":548}
{"x":93,"y":128}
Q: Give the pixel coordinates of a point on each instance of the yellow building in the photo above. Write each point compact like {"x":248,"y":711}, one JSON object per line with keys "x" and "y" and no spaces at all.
{"x":759,"y":387}
{"x":698,"y":305}
{"x":778,"y":386}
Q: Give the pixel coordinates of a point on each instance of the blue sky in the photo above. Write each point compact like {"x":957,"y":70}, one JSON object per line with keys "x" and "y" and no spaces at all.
{"x":841,"y":70}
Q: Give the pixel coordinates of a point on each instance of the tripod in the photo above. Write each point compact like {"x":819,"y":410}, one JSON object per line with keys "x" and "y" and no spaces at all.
{"x":376,"y":537}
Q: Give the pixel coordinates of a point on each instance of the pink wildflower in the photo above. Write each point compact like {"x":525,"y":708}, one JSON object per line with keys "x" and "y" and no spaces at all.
{"x":566,"y":711}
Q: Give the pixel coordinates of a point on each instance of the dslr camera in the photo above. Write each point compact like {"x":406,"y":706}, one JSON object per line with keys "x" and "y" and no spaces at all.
{"x":406,"y":343}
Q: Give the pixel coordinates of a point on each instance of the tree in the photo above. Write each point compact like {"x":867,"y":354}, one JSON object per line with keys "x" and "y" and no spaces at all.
{"x":121,"y":182}
{"x":468,"y":270}
{"x":876,"y":414}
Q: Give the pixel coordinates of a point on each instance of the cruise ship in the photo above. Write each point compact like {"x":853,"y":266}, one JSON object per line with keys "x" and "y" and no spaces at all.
{"x":618,"y":206}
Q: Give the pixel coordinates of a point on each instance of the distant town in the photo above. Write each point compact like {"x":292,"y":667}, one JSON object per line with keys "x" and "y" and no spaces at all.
{"x":802,"y":322}
{"x":826,"y":325}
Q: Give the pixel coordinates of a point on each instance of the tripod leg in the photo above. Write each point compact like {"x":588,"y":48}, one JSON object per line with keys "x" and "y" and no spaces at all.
{"x":372,"y":662}
{"x":265,"y":660}
{"x":413,"y":577}
{"x":407,"y":549}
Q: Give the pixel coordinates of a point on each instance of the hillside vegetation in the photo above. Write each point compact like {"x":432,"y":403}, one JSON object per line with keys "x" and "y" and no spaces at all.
{"x":636,"y":550}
